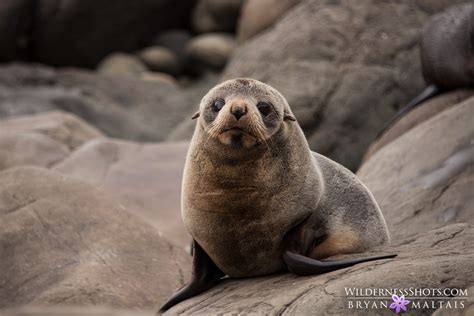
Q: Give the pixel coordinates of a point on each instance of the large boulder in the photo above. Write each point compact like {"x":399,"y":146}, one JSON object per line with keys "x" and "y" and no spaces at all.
{"x":82,"y":32}
{"x":15,"y":21}
{"x":345,"y":67}
{"x":145,"y":178}
{"x":43,"y":139}
{"x":120,"y":107}
{"x":64,"y":242}
{"x":439,"y":258}
{"x":258,"y":15}
{"x":423,"y":179}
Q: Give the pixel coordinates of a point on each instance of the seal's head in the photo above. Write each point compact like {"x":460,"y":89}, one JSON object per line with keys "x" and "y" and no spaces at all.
{"x":243,"y":113}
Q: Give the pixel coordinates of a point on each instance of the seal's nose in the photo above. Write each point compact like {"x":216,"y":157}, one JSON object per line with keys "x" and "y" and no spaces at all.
{"x":238,"y":110}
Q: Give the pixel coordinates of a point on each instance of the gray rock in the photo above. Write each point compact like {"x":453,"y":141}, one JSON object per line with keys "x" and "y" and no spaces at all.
{"x":345,"y":68}
{"x":417,"y":116}
{"x":66,"y":243}
{"x":215,"y":15}
{"x":120,"y":64}
{"x":423,"y":179}
{"x":175,"y":40}
{"x":258,"y":15}
{"x":160,"y":59}
{"x":145,"y":178}
{"x":119,"y":107}
{"x":209,"y":51}
{"x":42,"y":139}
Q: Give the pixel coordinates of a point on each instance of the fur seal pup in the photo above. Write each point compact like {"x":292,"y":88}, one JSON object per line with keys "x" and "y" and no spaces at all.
{"x":256,"y":200}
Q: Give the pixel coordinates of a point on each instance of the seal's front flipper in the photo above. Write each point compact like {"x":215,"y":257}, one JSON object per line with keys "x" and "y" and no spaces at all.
{"x":302,"y":265}
{"x":204,"y":276}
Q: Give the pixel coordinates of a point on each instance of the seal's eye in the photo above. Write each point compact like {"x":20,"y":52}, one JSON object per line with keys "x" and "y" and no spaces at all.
{"x":264,"y":108}
{"x":218,"y":104}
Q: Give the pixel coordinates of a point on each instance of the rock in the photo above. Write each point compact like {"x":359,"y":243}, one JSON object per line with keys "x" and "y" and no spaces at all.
{"x":159,"y":77}
{"x":42,"y":139}
{"x":439,"y":258}
{"x":120,"y":64}
{"x":83,"y":32}
{"x":119,"y":107}
{"x":160,"y":59}
{"x":215,"y":15}
{"x":62,"y":127}
{"x":417,"y":116}
{"x":447,"y":51}
{"x":423,"y":179}
{"x":175,"y":40}
{"x":145,"y":178}
{"x":30,"y":149}
{"x":15,"y":19}
{"x":258,"y":15}
{"x":209,"y":51}
{"x":66,"y":243}
{"x":345,"y":68}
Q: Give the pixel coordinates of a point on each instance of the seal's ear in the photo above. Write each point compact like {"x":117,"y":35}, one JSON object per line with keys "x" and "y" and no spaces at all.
{"x":288,"y":117}
{"x":196,"y":115}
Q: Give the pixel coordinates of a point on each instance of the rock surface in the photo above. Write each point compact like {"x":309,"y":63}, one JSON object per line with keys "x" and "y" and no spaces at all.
{"x":424,"y":179}
{"x":66,"y":243}
{"x":145,"y":178}
{"x":438,"y":258}
{"x":119,"y":107}
{"x":42,"y":139}
{"x":258,"y":15}
{"x":417,"y":116}
{"x":345,"y":67}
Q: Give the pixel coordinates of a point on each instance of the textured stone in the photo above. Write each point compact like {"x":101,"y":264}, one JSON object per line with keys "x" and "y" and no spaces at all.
{"x":423,"y":179}
{"x":64,"y":242}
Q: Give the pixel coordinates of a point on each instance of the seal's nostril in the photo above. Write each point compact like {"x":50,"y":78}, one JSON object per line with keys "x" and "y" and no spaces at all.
{"x":238,"y":112}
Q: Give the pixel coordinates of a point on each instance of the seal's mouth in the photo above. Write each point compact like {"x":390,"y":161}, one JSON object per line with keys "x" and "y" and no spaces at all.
{"x":237,"y":137}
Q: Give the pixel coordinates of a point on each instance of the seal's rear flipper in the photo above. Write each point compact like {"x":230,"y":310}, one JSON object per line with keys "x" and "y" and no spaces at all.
{"x":205,"y":275}
{"x":302,"y":265}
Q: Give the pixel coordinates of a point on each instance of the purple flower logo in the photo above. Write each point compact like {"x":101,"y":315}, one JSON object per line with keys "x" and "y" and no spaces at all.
{"x":399,"y":303}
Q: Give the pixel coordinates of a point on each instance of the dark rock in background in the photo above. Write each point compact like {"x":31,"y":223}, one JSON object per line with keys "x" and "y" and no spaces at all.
{"x":345,"y":68}
{"x":119,"y":107}
{"x":216,"y":15}
{"x":15,"y":27}
{"x":447,"y":48}
{"x":82,"y":32}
